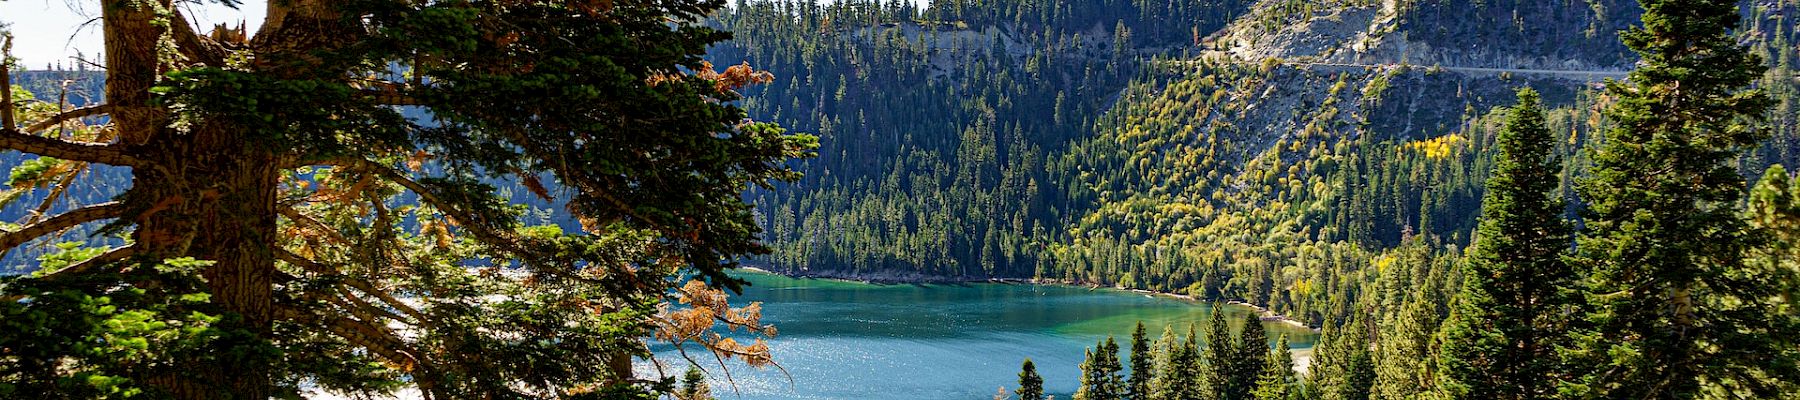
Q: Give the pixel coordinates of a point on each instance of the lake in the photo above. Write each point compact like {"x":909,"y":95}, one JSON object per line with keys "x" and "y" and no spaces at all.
{"x":847,"y":340}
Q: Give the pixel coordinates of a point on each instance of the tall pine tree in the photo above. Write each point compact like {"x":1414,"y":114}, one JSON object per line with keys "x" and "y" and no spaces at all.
{"x":281,"y":206}
{"x":1221,"y":355}
{"x":1162,"y":383}
{"x":1184,"y":375}
{"x":1675,"y":311}
{"x":1031,"y":386}
{"x":1277,"y":379}
{"x":1142,"y":369}
{"x":1511,"y":315}
{"x":1252,"y":351}
{"x":1100,"y":378}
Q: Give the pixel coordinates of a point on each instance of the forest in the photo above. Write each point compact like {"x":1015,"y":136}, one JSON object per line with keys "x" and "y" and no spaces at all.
{"x":1344,"y":199}
{"x":1266,"y":183}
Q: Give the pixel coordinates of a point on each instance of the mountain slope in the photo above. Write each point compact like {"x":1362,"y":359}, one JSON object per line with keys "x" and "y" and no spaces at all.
{"x":1270,"y":159}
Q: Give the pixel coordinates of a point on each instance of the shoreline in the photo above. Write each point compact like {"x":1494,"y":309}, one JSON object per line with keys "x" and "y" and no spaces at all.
{"x":916,"y":279}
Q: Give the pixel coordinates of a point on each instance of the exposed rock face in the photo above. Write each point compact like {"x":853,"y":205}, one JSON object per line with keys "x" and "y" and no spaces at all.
{"x":1525,"y":34}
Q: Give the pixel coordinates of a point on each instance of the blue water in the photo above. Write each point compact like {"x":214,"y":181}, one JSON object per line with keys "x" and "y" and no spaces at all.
{"x":844,"y":340}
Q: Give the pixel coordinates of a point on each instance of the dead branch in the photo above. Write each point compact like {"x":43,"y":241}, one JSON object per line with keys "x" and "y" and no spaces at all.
{"x":199,"y":49}
{"x":58,"y":119}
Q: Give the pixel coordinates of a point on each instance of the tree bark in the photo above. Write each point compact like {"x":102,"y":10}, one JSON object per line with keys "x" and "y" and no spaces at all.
{"x":218,"y":206}
{"x":206,"y":194}
{"x":131,"y":66}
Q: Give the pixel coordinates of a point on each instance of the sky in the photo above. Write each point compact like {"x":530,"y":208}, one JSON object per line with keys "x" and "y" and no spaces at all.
{"x":53,"y":31}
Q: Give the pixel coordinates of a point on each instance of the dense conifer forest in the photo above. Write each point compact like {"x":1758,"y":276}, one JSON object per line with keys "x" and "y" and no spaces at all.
{"x":1013,"y":146}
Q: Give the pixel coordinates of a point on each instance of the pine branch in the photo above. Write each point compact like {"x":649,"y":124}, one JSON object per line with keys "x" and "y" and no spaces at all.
{"x":426,"y":195}
{"x":84,"y":267}
{"x":301,"y":219}
{"x":89,"y":265}
{"x":360,"y":284}
{"x":390,"y":97}
{"x":369,"y":311}
{"x":377,"y":340}
{"x":79,"y":216}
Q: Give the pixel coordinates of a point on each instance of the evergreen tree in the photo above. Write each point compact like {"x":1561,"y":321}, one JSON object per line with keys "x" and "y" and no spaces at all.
{"x":1100,"y":378}
{"x":1162,"y":383}
{"x":1403,"y":368}
{"x":693,"y":386}
{"x":1774,"y":212}
{"x":1325,"y":369}
{"x":1188,"y":378}
{"x":1359,"y":377}
{"x":1031,"y":386}
{"x":1221,"y":355}
{"x":1675,"y":311}
{"x":1511,"y":315}
{"x":1142,"y":367}
{"x":1252,"y":353}
{"x":1359,"y":371}
{"x":280,"y":206}
{"x":1277,"y":378}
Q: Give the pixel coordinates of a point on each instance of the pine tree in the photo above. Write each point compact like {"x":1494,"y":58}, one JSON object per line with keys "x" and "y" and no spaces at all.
{"x":1221,"y":355}
{"x":1252,"y":353}
{"x":1031,"y":386}
{"x":1277,"y":379}
{"x":1774,"y":213}
{"x":1511,"y":315}
{"x":1402,"y":366}
{"x":1360,"y":383}
{"x":1359,"y":371}
{"x":693,"y":386}
{"x":1675,"y":312}
{"x":1100,"y":378}
{"x":1092,"y":379}
{"x":1142,"y":367}
{"x":1162,"y":383}
{"x":1325,"y":369}
{"x":1188,"y":378}
{"x":280,"y":206}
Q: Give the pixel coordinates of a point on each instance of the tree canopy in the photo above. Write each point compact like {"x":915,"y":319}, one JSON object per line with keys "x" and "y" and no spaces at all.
{"x":316,"y":203}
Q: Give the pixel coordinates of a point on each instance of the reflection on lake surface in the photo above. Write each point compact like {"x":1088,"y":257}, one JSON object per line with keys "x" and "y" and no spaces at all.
{"x":846,"y":340}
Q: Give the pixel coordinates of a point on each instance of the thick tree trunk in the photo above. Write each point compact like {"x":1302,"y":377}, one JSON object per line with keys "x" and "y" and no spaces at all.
{"x":219,"y":208}
{"x":210,"y":196}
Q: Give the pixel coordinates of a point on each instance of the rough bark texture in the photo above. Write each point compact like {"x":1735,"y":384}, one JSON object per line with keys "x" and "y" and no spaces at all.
{"x":131,"y":66}
{"x":211,"y":196}
{"x":219,"y":207}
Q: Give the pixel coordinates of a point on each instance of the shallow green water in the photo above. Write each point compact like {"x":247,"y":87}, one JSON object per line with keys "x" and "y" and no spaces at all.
{"x":844,"y":340}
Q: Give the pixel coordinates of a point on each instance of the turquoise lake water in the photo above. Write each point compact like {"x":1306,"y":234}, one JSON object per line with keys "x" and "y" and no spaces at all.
{"x":845,"y":340}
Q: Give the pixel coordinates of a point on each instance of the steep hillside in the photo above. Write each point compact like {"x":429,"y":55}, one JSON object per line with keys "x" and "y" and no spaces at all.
{"x":1538,"y":34}
{"x":1269,"y":158}
{"x":1277,"y":181}
{"x":938,"y":126}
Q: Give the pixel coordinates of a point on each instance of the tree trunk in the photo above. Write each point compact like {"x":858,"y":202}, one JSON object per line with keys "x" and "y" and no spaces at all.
{"x":220,"y":207}
{"x":210,"y":196}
